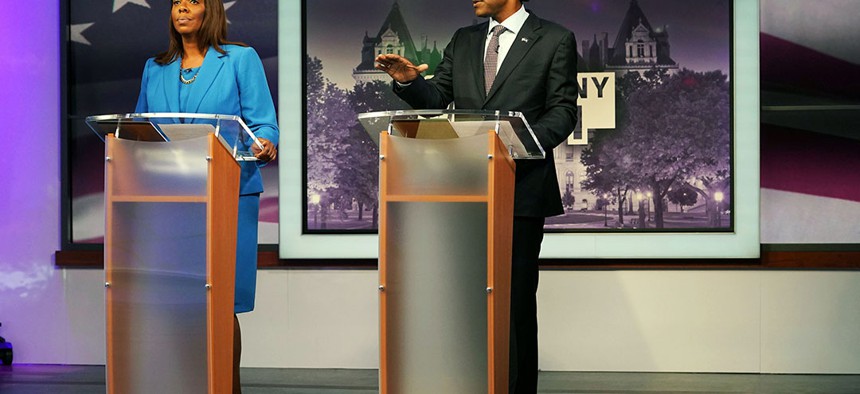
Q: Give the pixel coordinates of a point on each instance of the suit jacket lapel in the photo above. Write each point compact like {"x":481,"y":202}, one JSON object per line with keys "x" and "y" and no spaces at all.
{"x":212,"y":64}
{"x":171,"y":85}
{"x":477,"y":41}
{"x":525,"y":40}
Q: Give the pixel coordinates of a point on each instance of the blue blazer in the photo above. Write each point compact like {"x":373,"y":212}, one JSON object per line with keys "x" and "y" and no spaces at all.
{"x":232,"y":84}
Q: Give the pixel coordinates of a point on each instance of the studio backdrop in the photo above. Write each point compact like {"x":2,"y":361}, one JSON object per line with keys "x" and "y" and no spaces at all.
{"x":653,"y":164}
{"x":663,"y":162}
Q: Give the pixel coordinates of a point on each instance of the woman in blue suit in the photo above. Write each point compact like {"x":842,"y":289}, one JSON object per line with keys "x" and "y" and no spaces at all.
{"x":202,"y":72}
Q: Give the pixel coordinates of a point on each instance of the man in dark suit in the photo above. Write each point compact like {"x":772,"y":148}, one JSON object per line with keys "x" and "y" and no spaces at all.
{"x":527,"y":64}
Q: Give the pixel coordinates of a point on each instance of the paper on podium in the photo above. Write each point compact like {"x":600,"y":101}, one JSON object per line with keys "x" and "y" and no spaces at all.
{"x":130,"y":130}
{"x":442,"y":128}
{"x":179,"y":132}
{"x":426,"y":129}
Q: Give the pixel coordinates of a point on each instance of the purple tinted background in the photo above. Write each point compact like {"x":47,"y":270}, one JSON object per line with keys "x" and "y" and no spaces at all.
{"x":30,"y":179}
{"x":696,"y":28}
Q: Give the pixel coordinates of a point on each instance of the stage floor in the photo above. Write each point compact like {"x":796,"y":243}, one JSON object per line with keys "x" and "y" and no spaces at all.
{"x":78,"y":379}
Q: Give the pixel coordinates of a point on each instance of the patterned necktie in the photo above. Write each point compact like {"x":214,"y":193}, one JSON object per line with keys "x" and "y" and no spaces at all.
{"x":492,"y":58}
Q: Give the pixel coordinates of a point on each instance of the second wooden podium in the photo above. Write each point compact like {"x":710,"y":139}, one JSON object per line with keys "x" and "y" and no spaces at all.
{"x":446,"y":213}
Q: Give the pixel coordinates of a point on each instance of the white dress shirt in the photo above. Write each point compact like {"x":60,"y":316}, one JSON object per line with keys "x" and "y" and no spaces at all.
{"x":513,"y":24}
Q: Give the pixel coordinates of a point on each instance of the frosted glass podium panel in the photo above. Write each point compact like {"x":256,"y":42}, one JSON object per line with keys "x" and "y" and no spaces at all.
{"x":436,"y":312}
{"x":156,"y":277}
{"x":444,"y":167}
{"x":157,"y":169}
{"x":157,"y":298}
{"x":170,"y":246}
{"x":446,"y":212}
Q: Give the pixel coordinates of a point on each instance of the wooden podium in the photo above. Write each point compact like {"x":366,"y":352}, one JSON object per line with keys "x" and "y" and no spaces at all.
{"x":171,"y":201}
{"x":446,"y":191}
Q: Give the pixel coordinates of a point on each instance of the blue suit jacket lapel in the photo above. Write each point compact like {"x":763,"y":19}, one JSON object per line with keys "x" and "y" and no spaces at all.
{"x":171,"y":85}
{"x":212,"y":64}
{"x":525,"y":40}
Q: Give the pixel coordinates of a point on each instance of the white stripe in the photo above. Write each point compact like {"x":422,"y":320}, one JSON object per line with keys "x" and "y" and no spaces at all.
{"x":788,"y":217}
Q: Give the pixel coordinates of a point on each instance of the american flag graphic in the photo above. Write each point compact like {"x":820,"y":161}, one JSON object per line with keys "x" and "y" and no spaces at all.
{"x":108,"y":43}
{"x":810,"y":132}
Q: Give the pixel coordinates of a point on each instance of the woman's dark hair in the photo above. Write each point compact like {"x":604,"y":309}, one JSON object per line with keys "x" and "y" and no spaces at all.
{"x":213,"y":32}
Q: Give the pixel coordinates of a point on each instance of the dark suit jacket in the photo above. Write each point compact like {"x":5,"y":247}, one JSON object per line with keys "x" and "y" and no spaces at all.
{"x":537,"y":78}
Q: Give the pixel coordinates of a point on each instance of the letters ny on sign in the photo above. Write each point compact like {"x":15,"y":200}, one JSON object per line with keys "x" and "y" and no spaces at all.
{"x":597,"y":105}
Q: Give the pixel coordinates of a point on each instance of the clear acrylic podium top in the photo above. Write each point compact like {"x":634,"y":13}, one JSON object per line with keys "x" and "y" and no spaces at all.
{"x":511,"y":127}
{"x":231,"y":130}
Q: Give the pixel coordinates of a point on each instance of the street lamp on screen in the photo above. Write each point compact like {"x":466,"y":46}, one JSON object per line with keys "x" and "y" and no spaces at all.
{"x":315,"y":202}
{"x":718,"y":197}
{"x":648,"y":202}
{"x":605,"y":203}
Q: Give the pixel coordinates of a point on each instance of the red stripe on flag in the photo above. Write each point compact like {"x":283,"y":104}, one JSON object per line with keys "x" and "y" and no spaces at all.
{"x":810,"y":163}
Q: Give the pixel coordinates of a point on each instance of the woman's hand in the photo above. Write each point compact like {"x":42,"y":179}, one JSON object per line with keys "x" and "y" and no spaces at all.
{"x":267,"y":153}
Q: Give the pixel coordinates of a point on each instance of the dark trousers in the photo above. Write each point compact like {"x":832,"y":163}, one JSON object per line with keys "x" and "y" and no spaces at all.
{"x":528,"y":235}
